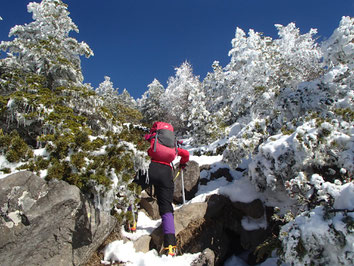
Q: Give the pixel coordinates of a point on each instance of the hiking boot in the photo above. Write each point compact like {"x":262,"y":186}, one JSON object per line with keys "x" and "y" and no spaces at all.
{"x":170,"y":251}
{"x":131,"y":228}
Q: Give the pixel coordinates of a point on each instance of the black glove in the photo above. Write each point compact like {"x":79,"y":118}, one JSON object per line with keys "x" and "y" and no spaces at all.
{"x":182,"y":166}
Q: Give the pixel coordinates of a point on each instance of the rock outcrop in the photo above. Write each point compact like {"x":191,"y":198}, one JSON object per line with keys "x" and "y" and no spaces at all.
{"x":48,"y":223}
{"x":213,"y":227}
{"x":191,"y":176}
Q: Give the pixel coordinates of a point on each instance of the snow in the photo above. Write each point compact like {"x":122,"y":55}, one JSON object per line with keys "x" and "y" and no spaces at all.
{"x":239,"y":190}
{"x":145,"y":226}
{"x":280,"y":156}
{"x":6,"y":164}
{"x":235,"y":261}
{"x":345,"y":199}
{"x":125,"y":252}
{"x":251,"y":224}
{"x":205,"y":160}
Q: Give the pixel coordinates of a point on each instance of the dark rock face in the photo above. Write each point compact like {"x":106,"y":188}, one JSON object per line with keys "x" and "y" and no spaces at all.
{"x":48,"y":223}
{"x":214,"y":225}
{"x":254,"y":209}
{"x":221,"y":172}
{"x":191,"y":176}
{"x":149,"y":204}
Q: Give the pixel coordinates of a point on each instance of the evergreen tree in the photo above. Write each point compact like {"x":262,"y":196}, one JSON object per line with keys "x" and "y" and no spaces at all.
{"x":126,"y":99}
{"x":122,"y":106}
{"x":259,"y":70}
{"x":44,"y":46}
{"x":215,"y":89}
{"x":44,"y":104}
{"x":150,"y":103}
{"x":106,"y":90}
{"x":176,"y":99}
{"x":338,"y":49}
{"x":310,"y":158}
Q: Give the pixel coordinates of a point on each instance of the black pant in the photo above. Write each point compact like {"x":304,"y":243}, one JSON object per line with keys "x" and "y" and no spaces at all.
{"x":160,"y":175}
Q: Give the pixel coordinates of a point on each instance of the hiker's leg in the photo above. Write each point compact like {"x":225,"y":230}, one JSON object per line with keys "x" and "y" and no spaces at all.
{"x":161,"y":177}
{"x":168,"y":226}
{"x":164,"y":200}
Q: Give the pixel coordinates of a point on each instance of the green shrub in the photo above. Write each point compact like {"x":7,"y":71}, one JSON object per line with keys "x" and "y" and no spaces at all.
{"x":14,"y":147}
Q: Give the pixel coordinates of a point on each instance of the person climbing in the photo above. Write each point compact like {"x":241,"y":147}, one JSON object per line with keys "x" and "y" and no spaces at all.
{"x":163,"y":150}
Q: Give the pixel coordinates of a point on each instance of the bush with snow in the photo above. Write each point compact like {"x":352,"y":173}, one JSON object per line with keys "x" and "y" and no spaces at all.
{"x":57,"y":127}
{"x":307,"y":150}
{"x":286,"y":104}
{"x":322,"y":236}
{"x":293,"y":101}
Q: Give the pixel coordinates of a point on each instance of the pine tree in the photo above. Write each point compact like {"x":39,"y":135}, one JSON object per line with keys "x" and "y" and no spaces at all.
{"x":176,"y":99}
{"x":150,"y":103}
{"x":44,"y":46}
{"x":43,"y":103}
{"x":259,"y":70}
{"x":126,"y":99}
{"x":105,"y":89}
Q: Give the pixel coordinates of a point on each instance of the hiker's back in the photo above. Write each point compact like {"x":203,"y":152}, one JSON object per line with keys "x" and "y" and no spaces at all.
{"x":163,"y":145}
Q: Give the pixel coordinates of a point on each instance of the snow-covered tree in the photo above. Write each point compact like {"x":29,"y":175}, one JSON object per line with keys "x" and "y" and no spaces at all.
{"x":215,"y":89}
{"x":339,"y":48}
{"x":150,"y":103}
{"x":176,"y":101}
{"x":44,"y":46}
{"x":260,"y":68}
{"x":127,"y":99}
{"x":122,"y":106}
{"x":317,"y":124}
{"x":197,"y":115}
{"x":311,"y":158}
{"x":106,"y":89}
{"x":44,"y":104}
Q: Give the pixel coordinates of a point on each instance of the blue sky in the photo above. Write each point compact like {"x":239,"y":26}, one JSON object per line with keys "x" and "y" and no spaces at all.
{"x":135,"y":41}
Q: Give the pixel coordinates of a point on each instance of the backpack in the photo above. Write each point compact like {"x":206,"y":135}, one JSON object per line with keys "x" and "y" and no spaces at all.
{"x":163,"y":143}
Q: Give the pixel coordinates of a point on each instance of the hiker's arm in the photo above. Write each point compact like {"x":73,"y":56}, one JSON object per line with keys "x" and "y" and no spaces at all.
{"x":184,"y":154}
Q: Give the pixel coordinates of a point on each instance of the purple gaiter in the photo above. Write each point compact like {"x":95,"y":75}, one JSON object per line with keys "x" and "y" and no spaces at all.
{"x":168,"y":223}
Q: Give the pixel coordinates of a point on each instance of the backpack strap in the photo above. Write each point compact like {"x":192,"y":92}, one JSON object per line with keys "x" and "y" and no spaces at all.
{"x":155,"y":143}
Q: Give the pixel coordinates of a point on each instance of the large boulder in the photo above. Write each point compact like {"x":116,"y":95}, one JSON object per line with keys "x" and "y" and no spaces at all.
{"x":48,"y":223}
{"x":191,"y":176}
{"x":149,"y":204}
{"x":183,"y":217}
{"x":200,"y":226}
{"x":254,"y":209}
{"x":142,"y":244}
{"x":251,"y":239}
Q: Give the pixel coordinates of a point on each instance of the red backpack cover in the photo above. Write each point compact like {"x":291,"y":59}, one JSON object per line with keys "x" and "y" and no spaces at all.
{"x":163,"y":145}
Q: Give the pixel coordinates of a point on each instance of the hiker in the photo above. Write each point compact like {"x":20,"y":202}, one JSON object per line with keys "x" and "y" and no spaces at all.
{"x":160,"y":175}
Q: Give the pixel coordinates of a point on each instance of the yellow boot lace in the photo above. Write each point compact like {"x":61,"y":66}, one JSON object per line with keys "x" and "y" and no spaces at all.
{"x":171,"y":250}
